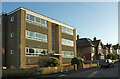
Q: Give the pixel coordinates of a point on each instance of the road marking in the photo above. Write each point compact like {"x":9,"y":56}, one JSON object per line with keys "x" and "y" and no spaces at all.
{"x":92,"y":74}
{"x":62,"y":75}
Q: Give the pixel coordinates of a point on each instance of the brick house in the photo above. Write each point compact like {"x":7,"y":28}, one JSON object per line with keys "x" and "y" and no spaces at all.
{"x":88,"y":49}
{"x":116,"y":49}
{"x":110,"y":48}
{"x":85,"y":48}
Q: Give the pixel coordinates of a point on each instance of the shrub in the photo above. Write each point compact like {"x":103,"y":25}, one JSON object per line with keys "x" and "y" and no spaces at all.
{"x":78,"y":61}
{"x":53,"y":61}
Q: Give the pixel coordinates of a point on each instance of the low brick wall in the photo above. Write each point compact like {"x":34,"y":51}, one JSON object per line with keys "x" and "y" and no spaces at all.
{"x":89,"y":65}
{"x":48,"y":70}
{"x":34,"y":71}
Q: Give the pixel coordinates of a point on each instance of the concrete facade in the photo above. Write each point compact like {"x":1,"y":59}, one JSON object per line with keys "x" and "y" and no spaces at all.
{"x":14,"y":48}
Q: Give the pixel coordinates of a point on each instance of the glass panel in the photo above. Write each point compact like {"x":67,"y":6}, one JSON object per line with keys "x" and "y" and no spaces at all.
{"x":31,"y":34}
{"x":27,"y":16}
{"x":31,"y":50}
{"x":42,"y":21}
{"x":31,"y":18}
{"x":38,"y":20}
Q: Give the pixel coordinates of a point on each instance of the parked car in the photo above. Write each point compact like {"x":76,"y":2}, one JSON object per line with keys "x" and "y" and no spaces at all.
{"x":106,"y":63}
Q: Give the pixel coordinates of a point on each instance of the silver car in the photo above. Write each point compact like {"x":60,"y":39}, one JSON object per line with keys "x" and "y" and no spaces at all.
{"x":106,"y":63}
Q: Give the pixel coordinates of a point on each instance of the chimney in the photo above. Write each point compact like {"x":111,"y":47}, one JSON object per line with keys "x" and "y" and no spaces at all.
{"x":78,"y":37}
{"x":94,"y":39}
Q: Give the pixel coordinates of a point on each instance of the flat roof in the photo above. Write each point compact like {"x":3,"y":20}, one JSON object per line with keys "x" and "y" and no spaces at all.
{"x":42,"y":17}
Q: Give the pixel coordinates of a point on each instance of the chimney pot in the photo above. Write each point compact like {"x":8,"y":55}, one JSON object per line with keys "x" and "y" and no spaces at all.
{"x":95,"y":39}
{"x":78,"y":37}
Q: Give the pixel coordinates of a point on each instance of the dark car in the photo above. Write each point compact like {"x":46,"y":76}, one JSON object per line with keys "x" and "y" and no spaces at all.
{"x":106,"y":63}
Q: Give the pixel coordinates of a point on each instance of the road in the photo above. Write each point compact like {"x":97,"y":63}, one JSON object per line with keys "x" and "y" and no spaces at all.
{"x":91,"y":72}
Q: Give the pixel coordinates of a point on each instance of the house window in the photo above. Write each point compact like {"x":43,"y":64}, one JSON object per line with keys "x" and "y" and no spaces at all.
{"x":93,"y":49}
{"x":12,"y":19}
{"x":12,"y":35}
{"x":100,"y":49}
{"x":11,"y":51}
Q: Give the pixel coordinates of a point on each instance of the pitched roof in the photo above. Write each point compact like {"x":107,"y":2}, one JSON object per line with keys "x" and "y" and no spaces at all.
{"x":84,"y":42}
{"x":108,"y":46}
{"x":116,"y":47}
{"x":96,"y":43}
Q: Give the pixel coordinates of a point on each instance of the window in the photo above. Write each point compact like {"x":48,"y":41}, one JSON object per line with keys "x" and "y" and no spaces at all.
{"x":67,"y":30}
{"x":11,"y":51}
{"x":42,"y":21}
{"x":27,"y":17}
{"x":67,"y":42}
{"x":68,"y":54}
{"x":100,"y":49}
{"x":12,"y":35}
{"x":31,"y":18}
{"x":93,"y":49}
{"x":12,"y":19}
{"x":36,"y":20}
{"x":35,"y":51}
{"x":36,"y":36}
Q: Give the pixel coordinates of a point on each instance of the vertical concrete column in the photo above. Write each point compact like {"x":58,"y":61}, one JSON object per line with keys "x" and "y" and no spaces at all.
{"x":22,"y":30}
{"x":75,"y":53}
{"x":49,"y":37}
{"x":58,"y":42}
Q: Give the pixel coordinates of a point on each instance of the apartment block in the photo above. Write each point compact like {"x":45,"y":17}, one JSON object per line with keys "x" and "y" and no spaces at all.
{"x":28,"y":36}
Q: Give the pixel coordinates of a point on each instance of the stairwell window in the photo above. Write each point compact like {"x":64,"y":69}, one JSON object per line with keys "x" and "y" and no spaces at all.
{"x":11,"y":51}
{"x":12,"y":35}
{"x":12,"y":19}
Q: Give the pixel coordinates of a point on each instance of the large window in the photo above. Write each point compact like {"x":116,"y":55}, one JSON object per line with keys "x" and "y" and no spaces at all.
{"x":35,"y":51}
{"x":67,"y":30}
{"x":36,"y":20}
{"x":36,"y":36}
{"x":67,"y":42}
{"x":68,"y":54}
